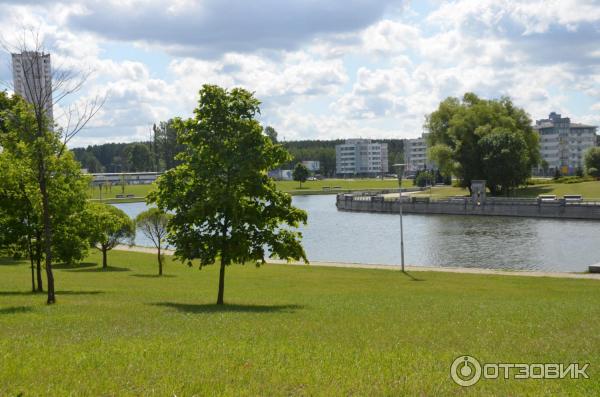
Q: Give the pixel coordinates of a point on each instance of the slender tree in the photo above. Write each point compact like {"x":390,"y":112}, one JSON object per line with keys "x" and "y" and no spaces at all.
{"x":153,"y":224}
{"x":225,"y":205}
{"x":41,"y":134}
{"x":300,"y":173}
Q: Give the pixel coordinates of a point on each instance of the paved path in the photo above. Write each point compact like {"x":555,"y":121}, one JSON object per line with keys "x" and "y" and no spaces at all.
{"x":586,"y":276}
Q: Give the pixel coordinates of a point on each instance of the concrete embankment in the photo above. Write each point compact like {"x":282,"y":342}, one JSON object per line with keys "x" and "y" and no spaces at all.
{"x":534,"y":208}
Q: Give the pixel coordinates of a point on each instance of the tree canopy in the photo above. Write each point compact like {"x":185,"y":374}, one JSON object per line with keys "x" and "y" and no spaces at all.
{"x":300,"y":173}
{"x":225,"y":205}
{"x":456,"y":138}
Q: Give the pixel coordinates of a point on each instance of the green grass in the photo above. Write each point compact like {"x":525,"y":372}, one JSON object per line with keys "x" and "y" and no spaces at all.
{"x":136,"y":190}
{"x":342,"y":184}
{"x":589,"y":190}
{"x":287,"y":331}
{"x":308,"y":187}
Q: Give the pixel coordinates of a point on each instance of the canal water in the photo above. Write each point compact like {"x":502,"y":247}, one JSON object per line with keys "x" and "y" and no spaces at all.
{"x":440,"y":240}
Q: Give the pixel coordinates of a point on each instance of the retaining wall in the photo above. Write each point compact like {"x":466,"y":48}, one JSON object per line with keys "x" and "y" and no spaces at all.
{"x":491,"y":207}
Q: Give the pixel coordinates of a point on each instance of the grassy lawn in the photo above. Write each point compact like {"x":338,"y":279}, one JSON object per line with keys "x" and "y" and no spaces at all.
{"x":342,"y":184}
{"x":287,"y":331}
{"x":589,"y":190}
{"x":136,"y":190}
{"x":288,"y":186}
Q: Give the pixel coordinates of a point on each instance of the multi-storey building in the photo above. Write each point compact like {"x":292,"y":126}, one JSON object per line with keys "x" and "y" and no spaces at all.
{"x":415,"y":154}
{"x":32,"y":78}
{"x":563,"y":144}
{"x":361,"y":157}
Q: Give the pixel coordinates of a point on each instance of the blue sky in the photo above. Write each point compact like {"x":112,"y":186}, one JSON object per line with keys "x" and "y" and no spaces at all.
{"x":322,"y":69}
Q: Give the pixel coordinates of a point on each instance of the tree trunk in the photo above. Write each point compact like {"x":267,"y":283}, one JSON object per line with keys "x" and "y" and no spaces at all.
{"x":30,"y":248}
{"x":160,"y":267}
{"x":47,"y":234}
{"x":40,"y":282}
{"x":221,"y":282}
{"x":38,"y":260}
{"x":104,"y":261}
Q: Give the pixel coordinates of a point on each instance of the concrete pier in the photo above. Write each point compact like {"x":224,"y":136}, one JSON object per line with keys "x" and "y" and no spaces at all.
{"x":490,"y":206}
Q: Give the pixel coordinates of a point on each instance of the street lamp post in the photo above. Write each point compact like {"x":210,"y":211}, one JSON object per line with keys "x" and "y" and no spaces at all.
{"x":400,"y":170}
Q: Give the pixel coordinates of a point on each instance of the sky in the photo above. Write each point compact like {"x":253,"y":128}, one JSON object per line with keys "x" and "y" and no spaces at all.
{"x":322,"y":69}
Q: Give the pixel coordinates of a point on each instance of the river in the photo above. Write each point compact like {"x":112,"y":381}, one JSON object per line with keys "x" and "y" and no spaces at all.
{"x":440,"y":240}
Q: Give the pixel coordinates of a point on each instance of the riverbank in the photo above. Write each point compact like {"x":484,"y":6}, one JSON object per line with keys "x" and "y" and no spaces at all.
{"x":462,"y":270}
{"x":318,"y":187}
{"x":286,"y":330}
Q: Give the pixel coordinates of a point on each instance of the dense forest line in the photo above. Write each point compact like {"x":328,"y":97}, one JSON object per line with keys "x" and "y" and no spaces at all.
{"x":159,"y":153}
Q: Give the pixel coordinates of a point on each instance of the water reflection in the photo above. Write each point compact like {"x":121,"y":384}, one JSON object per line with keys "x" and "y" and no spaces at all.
{"x":441,"y":240}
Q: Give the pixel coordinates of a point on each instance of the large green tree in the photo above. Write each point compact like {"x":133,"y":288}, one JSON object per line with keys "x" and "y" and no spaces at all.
{"x":505,"y":160}
{"x":153,"y":223}
{"x":110,"y":226}
{"x":225,"y":205}
{"x":51,"y":190}
{"x":592,"y":161}
{"x":457,"y":127}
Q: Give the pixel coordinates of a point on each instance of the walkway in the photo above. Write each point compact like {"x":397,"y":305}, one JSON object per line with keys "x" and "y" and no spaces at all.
{"x":463,"y":270}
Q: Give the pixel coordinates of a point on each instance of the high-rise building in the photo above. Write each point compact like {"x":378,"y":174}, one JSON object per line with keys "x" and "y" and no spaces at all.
{"x":415,"y":154}
{"x":361,"y":157}
{"x":32,"y":78}
{"x":563,"y":144}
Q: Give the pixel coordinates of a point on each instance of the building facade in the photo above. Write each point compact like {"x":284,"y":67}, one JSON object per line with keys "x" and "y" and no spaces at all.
{"x":32,"y":79}
{"x":361,"y":157}
{"x":563,"y":144}
{"x":415,"y":154}
{"x":312,"y":165}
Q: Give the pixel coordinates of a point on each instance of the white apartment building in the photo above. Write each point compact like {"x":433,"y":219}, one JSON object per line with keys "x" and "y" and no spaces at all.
{"x":32,"y":78}
{"x":361,"y":157}
{"x":563,"y":144}
{"x":415,"y":154}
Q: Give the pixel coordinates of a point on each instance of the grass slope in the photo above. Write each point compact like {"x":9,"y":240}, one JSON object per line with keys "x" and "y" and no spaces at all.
{"x":287,"y":331}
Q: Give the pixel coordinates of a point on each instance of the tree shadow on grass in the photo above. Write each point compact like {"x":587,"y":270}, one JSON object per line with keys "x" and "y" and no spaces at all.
{"x":153,"y":275}
{"x":412,"y":278}
{"x":234,"y":308}
{"x":101,"y":270}
{"x":15,"y":310}
{"x":14,"y":293}
{"x":76,"y":266}
{"x":534,"y":190}
{"x":7,"y":261}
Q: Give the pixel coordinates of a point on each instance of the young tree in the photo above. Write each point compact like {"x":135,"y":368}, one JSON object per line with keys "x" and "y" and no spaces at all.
{"x":460,"y":125}
{"x":592,"y":161}
{"x":110,"y":226}
{"x":153,"y":223}
{"x":225,"y":205}
{"x":300,"y":173}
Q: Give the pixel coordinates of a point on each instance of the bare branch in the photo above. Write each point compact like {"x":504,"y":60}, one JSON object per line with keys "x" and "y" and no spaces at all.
{"x":45,"y":87}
